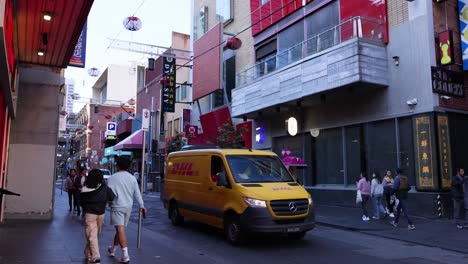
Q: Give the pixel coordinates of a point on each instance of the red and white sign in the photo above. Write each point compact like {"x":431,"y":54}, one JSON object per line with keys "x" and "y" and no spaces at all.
{"x":191,"y":131}
{"x":145,"y":120}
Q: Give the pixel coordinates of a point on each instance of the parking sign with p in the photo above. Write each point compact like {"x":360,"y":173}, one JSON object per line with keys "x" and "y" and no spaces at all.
{"x":111,"y":128}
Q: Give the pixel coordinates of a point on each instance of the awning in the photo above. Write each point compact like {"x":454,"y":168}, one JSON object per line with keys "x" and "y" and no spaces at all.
{"x":134,"y":141}
{"x":111,"y":152}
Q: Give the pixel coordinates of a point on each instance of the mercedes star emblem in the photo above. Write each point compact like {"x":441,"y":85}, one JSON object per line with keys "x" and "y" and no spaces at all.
{"x":292,"y":207}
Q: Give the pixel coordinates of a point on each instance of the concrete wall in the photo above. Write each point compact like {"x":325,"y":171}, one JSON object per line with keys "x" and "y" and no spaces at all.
{"x":33,"y":142}
{"x":121,"y":83}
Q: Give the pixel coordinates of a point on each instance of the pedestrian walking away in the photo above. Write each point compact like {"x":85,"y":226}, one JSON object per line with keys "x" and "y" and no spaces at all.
{"x":388,"y":193}
{"x":376,"y":196}
{"x":364,"y":186}
{"x":94,"y":196}
{"x":70,"y":189}
{"x":458,"y":197}
{"x":125,"y":188}
{"x":78,"y":182}
{"x":401,"y":188}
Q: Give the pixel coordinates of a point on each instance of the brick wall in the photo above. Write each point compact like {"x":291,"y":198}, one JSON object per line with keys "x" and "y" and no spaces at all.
{"x":446,"y":17}
{"x":98,"y":121}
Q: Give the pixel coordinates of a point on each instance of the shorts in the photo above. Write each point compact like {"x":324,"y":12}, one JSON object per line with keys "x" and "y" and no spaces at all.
{"x":120,"y":216}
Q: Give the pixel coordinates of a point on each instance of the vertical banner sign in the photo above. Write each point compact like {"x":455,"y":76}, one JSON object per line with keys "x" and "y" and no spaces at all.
{"x":463,"y":14}
{"x":168,"y":93}
{"x":185,"y":117}
{"x":145,"y":120}
{"x":79,"y":54}
{"x":446,"y":48}
{"x":423,"y":150}
{"x":444,"y":151}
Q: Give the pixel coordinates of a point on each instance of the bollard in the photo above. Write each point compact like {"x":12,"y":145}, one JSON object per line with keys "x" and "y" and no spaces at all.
{"x":439,"y":206}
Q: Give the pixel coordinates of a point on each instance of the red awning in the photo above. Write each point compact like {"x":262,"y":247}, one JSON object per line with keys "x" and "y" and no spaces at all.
{"x":134,"y":141}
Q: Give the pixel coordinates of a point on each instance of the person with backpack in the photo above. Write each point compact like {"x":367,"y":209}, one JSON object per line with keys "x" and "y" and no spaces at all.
{"x":388,"y":192}
{"x":376,"y":196}
{"x":94,"y":196}
{"x":458,"y":197}
{"x":70,"y":189}
{"x":401,"y":188}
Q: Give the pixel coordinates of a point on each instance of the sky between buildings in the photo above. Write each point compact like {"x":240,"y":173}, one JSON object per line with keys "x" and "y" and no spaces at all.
{"x":105,"y":21}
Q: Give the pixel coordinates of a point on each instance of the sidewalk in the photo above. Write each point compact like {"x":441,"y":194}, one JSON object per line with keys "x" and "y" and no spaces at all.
{"x":62,"y":241}
{"x":440,"y":233}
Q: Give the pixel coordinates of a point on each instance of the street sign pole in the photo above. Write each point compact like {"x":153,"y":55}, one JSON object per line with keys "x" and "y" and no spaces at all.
{"x":144,"y":127}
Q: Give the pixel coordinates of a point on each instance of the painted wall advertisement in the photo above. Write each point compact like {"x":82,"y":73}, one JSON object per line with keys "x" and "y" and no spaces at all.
{"x":169,"y":86}
{"x":463,"y":11}
{"x":78,"y":58}
{"x":444,"y":151}
{"x":425,"y":173}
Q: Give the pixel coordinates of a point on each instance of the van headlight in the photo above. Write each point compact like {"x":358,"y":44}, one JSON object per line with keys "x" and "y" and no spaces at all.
{"x":310,"y":201}
{"x":254,"y":202}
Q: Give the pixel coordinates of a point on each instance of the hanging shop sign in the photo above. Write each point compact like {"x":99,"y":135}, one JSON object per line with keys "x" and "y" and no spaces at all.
{"x":447,"y":82}
{"x":168,"y":90}
{"x":463,"y":14}
{"x":78,"y":58}
{"x":445,"y":160}
{"x":423,"y":143}
{"x":446,"y":48}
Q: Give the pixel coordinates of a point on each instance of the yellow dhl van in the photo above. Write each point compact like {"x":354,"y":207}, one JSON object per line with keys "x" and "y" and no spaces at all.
{"x":240,"y":191}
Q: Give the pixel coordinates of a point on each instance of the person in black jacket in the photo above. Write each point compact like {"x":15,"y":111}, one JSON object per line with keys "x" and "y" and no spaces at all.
{"x":93,"y":198}
{"x":457,"y":196}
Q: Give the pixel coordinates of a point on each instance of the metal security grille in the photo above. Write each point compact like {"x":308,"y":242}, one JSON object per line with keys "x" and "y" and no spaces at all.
{"x":289,"y":207}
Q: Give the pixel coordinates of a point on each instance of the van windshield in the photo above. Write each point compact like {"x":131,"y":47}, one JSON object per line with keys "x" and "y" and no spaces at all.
{"x":250,"y":169}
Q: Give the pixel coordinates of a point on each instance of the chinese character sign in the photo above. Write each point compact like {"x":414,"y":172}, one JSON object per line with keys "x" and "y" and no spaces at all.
{"x":168,"y":88}
{"x":423,"y":151}
{"x":444,"y":151}
{"x":78,"y":57}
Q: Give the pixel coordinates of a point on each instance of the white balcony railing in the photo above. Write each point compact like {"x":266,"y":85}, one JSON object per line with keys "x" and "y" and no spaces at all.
{"x":356,"y":27}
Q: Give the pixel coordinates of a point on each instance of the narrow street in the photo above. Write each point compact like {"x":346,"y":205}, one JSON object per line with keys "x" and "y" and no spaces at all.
{"x":322,"y":245}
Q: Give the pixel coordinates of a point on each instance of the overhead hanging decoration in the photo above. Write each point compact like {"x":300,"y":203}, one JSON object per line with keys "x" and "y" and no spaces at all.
{"x":132,"y":23}
{"x":233,"y":43}
{"x":93,"y":72}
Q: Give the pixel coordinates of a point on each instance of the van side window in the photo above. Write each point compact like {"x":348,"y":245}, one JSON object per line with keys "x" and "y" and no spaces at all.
{"x":217,"y":168}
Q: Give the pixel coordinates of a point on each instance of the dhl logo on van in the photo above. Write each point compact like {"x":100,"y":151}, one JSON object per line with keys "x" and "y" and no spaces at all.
{"x":282,"y":189}
{"x":183,"y":169}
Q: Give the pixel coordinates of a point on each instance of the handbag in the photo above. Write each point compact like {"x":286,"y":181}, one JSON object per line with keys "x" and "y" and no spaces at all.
{"x":358,"y":197}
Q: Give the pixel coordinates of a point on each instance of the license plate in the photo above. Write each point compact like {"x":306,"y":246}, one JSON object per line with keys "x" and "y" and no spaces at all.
{"x":293,"y":229}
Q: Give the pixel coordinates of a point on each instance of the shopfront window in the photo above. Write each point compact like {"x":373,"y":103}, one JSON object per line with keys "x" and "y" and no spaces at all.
{"x":381,"y":146}
{"x":405,"y":126}
{"x":329,"y":157}
{"x":355,"y":153}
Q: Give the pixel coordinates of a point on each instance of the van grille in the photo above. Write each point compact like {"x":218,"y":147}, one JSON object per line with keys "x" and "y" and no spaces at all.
{"x":289,"y":207}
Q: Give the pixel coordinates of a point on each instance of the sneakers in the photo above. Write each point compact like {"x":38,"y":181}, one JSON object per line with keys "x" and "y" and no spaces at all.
{"x":375,"y":217}
{"x":392,"y":215}
{"x":394,"y":224}
{"x":365,"y":218}
{"x":411,"y":227}
{"x":465,"y":226}
{"x":459,"y":226}
{"x":124,"y":260}
{"x":94,"y":261}
{"x":111,"y":251}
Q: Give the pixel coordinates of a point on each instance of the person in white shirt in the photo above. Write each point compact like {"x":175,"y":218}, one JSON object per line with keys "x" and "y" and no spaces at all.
{"x":376,"y":195}
{"x":125,"y":187}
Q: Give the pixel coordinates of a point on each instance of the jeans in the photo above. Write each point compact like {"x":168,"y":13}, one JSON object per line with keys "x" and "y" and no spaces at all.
{"x":388,"y":198}
{"x":70,"y":199}
{"x":93,"y":227}
{"x":365,"y":199}
{"x":402,"y":207}
{"x":76,"y":195}
{"x":457,"y":212}
{"x":377,"y":203}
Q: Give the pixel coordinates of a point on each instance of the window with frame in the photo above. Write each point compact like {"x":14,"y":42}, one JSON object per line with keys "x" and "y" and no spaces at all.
{"x":176,"y":125}
{"x":224,"y":10}
{"x":169,"y":128}
{"x":201,"y":22}
{"x":183,"y":91}
{"x":265,"y":1}
{"x":177,"y":94}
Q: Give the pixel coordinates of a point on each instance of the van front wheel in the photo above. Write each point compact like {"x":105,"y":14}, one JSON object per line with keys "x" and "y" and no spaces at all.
{"x":174,"y":215}
{"x":234,"y":233}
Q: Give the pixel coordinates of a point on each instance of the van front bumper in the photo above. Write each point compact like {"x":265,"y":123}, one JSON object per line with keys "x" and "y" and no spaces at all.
{"x":259,"y":220}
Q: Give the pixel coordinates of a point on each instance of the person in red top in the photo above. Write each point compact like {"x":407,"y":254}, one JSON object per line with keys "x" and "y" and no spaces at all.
{"x":364,"y":186}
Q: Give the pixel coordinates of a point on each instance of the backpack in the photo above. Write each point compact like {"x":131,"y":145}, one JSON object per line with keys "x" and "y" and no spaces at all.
{"x":404,"y":186}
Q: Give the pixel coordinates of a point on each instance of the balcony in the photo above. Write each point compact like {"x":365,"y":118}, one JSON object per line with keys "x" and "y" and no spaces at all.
{"x":348,"y":54}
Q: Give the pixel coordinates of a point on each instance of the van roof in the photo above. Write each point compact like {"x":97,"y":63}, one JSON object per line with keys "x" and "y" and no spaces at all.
{"x":222,"y":152}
